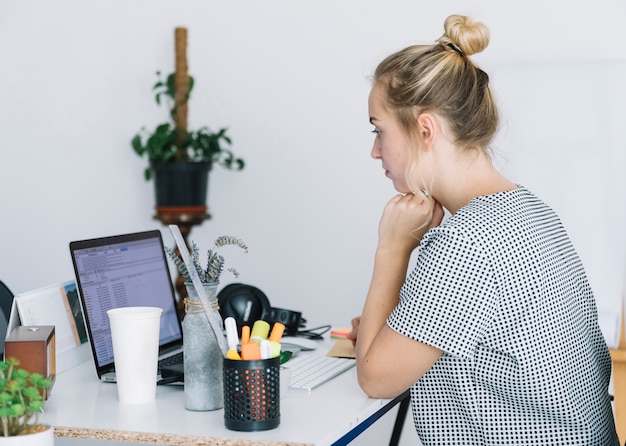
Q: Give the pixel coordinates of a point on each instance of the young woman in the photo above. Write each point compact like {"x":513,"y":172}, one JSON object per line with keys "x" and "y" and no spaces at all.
{"x":495,"y":329}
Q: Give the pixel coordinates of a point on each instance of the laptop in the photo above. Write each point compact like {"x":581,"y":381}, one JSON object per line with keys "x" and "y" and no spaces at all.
{"x":121,"y":271}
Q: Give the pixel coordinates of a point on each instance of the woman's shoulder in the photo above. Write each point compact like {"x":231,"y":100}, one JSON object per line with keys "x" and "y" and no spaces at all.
{"x":511,"y":205}
{"x":499,"y":216}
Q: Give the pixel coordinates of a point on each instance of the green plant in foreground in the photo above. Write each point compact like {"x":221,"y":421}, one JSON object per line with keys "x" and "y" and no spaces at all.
{"x":21,"y":399}
{"x":214,"y":263}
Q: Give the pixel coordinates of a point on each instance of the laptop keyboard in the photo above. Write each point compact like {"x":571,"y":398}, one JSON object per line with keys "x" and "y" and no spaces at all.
{"x":176,"y":358}
{"x":309,"y":371}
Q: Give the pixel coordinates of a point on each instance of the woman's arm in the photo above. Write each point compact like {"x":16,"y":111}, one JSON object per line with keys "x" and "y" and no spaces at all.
{"x":387,"y":362}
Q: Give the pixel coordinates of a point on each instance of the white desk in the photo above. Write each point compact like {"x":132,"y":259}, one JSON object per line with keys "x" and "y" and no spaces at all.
{"x":80,"y":406}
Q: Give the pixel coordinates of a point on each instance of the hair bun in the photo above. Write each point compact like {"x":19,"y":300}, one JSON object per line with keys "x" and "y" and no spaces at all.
{"x":463,"y":35}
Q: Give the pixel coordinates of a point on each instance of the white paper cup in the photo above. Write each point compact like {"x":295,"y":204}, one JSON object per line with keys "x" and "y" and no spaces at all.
{"x":135,"y":337}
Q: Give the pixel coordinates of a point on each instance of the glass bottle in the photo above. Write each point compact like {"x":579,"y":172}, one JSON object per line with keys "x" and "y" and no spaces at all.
{"x":203,"y":358}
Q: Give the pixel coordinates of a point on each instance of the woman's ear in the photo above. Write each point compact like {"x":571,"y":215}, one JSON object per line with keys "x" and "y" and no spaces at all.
{"x":428,"y":128}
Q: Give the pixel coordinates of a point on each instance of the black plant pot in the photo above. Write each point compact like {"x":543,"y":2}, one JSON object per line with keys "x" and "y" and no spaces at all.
{"x":181,"y":184}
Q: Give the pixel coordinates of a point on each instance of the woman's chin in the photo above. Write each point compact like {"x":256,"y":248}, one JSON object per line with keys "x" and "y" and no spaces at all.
{"x":402,"y":188}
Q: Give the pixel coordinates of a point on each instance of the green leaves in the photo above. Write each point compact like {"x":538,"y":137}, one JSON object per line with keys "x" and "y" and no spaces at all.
{"x":21,"y":398}
{"x":167,"y":90}
{"x":207,"y":146}
{"x":162,"y":145}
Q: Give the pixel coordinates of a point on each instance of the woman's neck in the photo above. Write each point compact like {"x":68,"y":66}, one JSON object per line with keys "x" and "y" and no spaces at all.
{"x":470,"y":179}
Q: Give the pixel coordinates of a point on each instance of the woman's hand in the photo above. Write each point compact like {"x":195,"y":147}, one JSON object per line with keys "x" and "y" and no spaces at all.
{"x":355,"y":329}
{"x":380,"y":350}
{"x":405,"y":219}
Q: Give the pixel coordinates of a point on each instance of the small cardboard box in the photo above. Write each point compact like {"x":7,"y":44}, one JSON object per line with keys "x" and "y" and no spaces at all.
{"x":34,"y":346}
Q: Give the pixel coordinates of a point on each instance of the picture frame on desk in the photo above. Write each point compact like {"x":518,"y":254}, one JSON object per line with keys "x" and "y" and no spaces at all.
{"x":57,"y":305}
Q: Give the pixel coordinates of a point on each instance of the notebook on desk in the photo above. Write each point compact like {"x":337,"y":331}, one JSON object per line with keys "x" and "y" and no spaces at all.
{"x":121,"y":271}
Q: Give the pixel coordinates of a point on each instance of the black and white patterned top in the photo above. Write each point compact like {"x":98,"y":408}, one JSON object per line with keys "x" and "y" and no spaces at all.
{"x":500,"y":290}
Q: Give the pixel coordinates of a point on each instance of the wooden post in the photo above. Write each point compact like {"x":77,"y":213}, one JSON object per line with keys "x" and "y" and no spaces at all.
{"x":618,"y":356}
{"x":181,"y":86}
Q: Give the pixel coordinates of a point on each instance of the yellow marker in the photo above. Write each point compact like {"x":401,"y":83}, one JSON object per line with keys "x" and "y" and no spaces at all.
{"x":274,"y":349}
{"x":232,"y":354}
{"x":260,"y":330}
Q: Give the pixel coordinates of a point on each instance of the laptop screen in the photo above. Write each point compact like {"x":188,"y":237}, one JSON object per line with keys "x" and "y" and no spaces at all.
{"x":121,"y":271}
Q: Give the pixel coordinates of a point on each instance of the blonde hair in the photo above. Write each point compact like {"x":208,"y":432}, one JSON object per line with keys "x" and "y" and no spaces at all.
{"x":442,"y":79}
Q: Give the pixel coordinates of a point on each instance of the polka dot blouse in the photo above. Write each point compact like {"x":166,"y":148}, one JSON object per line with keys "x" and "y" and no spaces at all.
{"x":500,"y":290}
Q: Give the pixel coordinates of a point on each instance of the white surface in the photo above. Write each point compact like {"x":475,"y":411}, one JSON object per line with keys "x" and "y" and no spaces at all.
{"x":300,"y":342}
{"x":79,"y":399}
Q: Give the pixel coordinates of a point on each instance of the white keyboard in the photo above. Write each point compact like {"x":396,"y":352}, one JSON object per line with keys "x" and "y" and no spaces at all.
{"x":309,"y":371}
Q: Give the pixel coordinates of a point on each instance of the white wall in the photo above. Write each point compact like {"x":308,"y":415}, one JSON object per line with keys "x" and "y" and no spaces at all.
{"x":290,"y":80}
{"x":563,"y":137}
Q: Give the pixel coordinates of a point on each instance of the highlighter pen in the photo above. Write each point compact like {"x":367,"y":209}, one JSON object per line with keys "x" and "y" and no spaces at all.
{"x":260,"y":330}
{"x":231,"y":338}
{"x":275,"y":336}
{"x":250,"y":351}
{"x":245,"y":334}
{"x":277,"y":332}
{"x":265,"y":349}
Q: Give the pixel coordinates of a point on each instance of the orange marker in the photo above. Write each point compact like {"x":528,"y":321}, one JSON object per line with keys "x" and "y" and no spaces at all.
{"x":245,"y":335}
{"x":250,"y":351}
{"x":277,"y":332}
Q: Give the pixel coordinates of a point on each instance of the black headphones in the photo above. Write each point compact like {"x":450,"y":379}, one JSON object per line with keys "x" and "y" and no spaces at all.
{"x":247,"y":304}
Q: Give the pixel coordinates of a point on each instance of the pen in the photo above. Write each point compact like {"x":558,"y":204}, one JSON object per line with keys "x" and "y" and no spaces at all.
{"x":260,"y":330}
{"x":277,"y":332}
{"x":250,"y":351}
{"x":265,"y":349}
{"x":245,"y":335}
{"x":231,"y":338}
{"x":275,"y":336}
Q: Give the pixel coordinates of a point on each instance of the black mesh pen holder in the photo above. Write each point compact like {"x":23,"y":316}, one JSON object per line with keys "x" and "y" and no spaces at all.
{"x":251,"y":394}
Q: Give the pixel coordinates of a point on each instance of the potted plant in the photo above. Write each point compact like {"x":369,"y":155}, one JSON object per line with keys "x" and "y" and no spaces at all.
{"x":21,"y":402}
{"x":202,"y":354}
{"x":179,"y":160}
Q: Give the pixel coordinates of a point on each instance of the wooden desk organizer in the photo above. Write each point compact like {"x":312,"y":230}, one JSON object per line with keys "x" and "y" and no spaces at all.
{"x":34,"y":346}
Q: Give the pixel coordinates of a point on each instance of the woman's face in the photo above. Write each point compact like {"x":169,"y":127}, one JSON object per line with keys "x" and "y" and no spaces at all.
{"x":390,"y":144}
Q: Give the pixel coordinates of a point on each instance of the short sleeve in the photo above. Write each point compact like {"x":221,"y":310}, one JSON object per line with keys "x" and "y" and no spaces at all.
{"x":449,"y":299}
